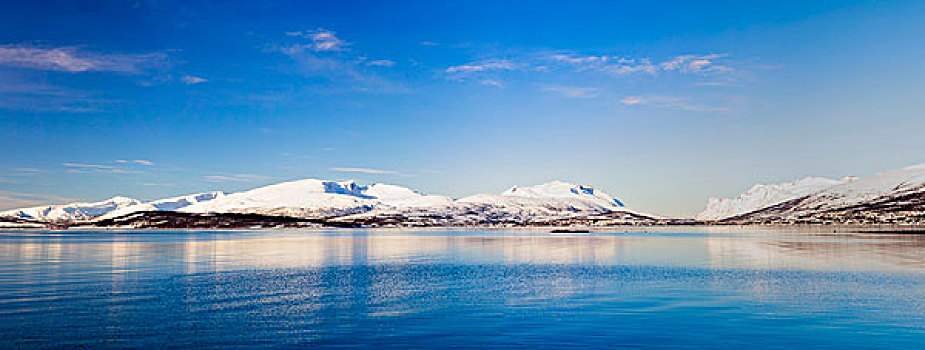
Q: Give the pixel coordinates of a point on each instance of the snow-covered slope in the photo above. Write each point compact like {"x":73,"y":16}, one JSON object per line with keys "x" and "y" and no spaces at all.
{"x":760,"y":196}
{"x":554,"y":203}
{"x":887,"y":183}
{"x":403,"y":197}
{"x":552,"y":198}
{"x":168,"y":204}
{"x":316,"y":198}
{"x":895,"y":196}
{"x":71,"y":212}
{"x":564,"y":190}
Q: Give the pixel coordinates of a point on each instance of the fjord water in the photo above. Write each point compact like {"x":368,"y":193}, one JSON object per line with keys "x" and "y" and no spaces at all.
{"x":667,"y":288}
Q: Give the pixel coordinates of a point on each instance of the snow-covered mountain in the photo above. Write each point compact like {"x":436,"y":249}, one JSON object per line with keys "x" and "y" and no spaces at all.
{"x":348,"y":202}
{"x":168,"y":204}
{"x":760,"y":196}
{"x":317,"y":198}
{"x":551,"y":198}
{"x":113,"y":207}
{"x":895,"y":196}
{"x":553,"y":203}
{"x":71,"y":212}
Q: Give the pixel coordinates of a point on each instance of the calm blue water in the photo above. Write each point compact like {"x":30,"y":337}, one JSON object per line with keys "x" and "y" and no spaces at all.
{"x":486,"y":289}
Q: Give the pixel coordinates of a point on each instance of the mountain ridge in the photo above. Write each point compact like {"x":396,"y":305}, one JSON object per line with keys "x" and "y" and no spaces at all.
{"x":324,"y":199}
{"x":889,"y":197}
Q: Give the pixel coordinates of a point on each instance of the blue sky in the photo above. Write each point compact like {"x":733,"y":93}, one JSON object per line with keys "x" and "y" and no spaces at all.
{"x":660,"y":103}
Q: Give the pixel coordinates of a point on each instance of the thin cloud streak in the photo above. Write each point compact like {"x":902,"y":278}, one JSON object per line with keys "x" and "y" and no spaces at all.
{"x":380,"y":63}
{"x":491,"y":82}
{"x":716,"y":66}
{"x":321,"y":40}
{"x":75,"y":60}
{"x":192,"y":80}
{"x":613,"y":65}
{"x":482,"y":66}
{"x":365,"y":171}
{"x":670,"y":103}
{"x":136,"y":161}
{"x":235,"y":178}
{"x":82,"y":168}
{"x":572,"y":91}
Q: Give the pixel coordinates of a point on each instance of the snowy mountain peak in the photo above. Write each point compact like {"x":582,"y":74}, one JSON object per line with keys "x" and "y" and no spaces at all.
{"x":761,"y":195}
{"x":562,"y":189}
{"x":314,"y":197}
{"x":120,"y":200}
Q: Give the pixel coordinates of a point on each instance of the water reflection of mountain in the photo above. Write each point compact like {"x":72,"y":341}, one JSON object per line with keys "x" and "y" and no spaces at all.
{"x":861,"y":252}
{"x":210,"y":252}
{"x":205,"y":252}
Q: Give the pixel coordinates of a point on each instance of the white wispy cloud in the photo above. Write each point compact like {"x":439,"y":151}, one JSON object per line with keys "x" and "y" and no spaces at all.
{"x":491,"y":82}
{"x":697,"y":64}
{"x":380,"y":63}
{"x":191,"y":80}
{"x":716,"y":66}
{"x":485,"y":72}
{"x":321,"y":40}
{"x":682,"y":103}
{"x":136,"y":161}
{"x":572,"y":91}
{"x":83,"y":168}
{"x":631,"y":100}
{"x":27,"y":170}
{"x":76,"y":59}
{"x":82,"y":165}
{"x":23,"y":90}
{"x":703,"y":64}
{"x":341,"y":70}
{"x":235,"y":178}
{"x":481,"y":66}
{"x":364,"y":170}
{"x":615,"y":65}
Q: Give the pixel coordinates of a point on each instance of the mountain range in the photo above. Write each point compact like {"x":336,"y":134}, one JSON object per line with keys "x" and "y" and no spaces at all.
{"x":348,"y":203}
{"x":890,"y":197}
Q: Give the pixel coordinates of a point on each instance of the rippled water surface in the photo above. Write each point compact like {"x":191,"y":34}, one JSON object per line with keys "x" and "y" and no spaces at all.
{"x":667,"y":288}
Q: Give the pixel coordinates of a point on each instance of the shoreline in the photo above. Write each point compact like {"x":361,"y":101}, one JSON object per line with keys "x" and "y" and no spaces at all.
{"x":554,"y":229}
